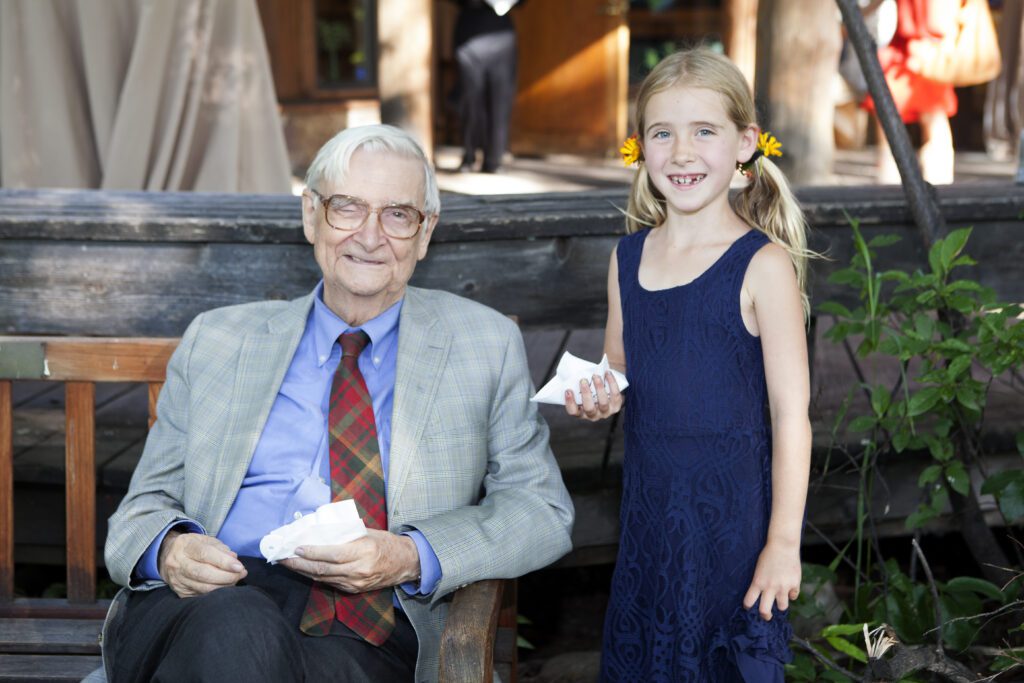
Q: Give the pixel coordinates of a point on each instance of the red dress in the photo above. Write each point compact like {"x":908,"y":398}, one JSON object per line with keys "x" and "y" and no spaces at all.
{"x":912,"y":93}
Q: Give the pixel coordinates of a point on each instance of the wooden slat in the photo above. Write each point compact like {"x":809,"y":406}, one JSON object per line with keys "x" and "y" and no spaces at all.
{"x":50,"y":636}
{"x":154,"y":394}
{"x":47,"y":668}
{"x":467,"y":649}
{"x":80,"y":493}
{"x":97,"y":359}
{"x":53,"y":608}
{"x":505,"y":648}
{"x":6,"y":493}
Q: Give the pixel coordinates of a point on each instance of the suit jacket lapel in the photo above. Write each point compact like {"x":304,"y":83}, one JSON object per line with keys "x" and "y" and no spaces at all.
{"x":423,"y":345}
{"x":263,"y":360}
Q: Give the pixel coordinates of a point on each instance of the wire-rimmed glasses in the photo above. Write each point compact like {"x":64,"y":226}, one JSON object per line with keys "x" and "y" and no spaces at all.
{"x":346,"y":213}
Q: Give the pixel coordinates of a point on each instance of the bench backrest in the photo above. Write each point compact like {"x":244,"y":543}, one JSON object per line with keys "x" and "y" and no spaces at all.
{"x":79,"y":362}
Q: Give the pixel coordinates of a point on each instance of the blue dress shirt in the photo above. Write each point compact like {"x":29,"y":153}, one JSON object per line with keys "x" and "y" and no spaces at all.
{"x":289,"y":475}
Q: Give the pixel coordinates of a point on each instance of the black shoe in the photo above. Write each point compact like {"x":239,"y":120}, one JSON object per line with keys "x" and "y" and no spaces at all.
{"x":466,"y":167}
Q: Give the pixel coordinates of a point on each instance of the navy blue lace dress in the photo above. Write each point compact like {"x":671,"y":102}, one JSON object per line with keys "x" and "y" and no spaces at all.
{"x":696,"y":483}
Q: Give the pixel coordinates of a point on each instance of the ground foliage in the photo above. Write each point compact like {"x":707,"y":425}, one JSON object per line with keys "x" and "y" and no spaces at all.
{"x":949,"y":340}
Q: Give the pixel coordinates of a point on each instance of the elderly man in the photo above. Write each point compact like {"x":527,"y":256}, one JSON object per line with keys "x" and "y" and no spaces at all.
{"x":413,"y":403}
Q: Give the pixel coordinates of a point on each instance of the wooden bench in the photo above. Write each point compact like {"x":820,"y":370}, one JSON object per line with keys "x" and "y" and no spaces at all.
{"x":58,"y":639}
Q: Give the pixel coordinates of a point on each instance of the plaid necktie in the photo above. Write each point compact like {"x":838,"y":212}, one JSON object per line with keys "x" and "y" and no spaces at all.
{"x":356,"y":473}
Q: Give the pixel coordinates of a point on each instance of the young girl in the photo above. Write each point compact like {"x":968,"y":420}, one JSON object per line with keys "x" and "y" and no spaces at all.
{"x":706,"y":317}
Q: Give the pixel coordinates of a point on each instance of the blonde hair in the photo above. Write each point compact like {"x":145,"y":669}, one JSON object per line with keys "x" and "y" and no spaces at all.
{"x":766,"y":203}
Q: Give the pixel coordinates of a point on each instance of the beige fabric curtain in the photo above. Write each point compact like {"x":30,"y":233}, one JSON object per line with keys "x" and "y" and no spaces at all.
{"x":138,"y":94}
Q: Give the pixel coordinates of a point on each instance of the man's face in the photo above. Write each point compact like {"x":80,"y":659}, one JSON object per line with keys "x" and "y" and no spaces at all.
{"x":365,"y":268}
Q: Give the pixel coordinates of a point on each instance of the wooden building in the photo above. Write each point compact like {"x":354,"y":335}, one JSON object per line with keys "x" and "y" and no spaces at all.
{"x":338,"y":63}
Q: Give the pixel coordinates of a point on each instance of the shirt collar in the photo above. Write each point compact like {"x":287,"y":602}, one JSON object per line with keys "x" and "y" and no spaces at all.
{"x":327,"y":327}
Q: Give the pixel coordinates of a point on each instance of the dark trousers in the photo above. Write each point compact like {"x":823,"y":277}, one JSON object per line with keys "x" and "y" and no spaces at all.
{"x":487,"y":79}
{"x":248,"y":633}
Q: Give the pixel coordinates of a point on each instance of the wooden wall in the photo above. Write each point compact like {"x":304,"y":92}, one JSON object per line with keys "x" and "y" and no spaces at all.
{"x":105,"y":263}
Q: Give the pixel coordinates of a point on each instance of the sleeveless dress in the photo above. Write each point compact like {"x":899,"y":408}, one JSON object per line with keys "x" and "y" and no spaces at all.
{"x":696,"y":483}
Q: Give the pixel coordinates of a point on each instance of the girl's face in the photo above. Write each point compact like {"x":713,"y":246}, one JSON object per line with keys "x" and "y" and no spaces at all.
{"x":691,"y":147}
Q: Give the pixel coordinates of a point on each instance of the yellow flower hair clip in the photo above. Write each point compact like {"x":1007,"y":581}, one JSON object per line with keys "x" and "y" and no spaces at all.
{"x":630,"y":151}
{"x":768,"y":146}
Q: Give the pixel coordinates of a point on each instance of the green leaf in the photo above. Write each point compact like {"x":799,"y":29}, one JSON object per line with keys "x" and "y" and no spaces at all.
{"x":967,"y":398}
{"x":863,"y":423}
{"x":941,"y":449}
{"x":841,"y":630}
{"x":849,"y":649}
{"x":923,"y":401}
{"x":975,"y":585}
{"x":957,"y":366}
{"x":880,"y":400}
{"x":883,"y":240}
{"x":924,"y":326}
{"x":952,"y":245}
{"x":954,"y":345}
{"x":929,"y":475}
{"x":900,"y":439}
{"x":958,"y":478}
{"x":935,"y":258}
{"x":968,"y":285}
{"x":847,"y":276}
{"x":834,"y":308}
{"x":920,"y":517}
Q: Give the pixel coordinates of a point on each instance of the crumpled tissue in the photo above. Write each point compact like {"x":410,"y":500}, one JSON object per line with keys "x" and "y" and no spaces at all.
{"x":331,"y":524}
{"x":568,"y":374}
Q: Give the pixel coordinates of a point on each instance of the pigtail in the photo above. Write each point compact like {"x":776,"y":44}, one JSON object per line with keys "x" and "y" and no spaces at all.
{"x":767,"y":204}
{"x":646,"y":208}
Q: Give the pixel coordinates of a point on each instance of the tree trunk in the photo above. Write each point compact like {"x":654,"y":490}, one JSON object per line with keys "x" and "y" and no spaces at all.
{"x":741,"y":35}
{"x":798,"y":43}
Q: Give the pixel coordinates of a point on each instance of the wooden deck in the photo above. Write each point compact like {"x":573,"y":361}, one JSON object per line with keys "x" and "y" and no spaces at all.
{"x":135,"y":264}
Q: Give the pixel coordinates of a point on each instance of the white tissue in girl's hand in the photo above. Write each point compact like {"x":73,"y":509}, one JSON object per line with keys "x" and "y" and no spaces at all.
{"x":331,"y":524}
{"x":568,"y":374}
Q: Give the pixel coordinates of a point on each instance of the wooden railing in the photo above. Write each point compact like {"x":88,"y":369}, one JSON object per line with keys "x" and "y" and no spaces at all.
{"x":79,"y":362}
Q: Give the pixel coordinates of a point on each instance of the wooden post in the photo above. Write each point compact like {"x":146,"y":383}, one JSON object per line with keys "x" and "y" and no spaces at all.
{"x":798,"y":44}
{"x":80,"y":495}
{"x":741,"y":35}
{"x":924,"y":206}
{"x":405,"y":30}
{"x":154,"y":394}
{"x":6,"y":493}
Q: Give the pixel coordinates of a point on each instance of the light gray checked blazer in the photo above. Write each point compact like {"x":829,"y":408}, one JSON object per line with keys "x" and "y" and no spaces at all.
{"x":469,"y":467}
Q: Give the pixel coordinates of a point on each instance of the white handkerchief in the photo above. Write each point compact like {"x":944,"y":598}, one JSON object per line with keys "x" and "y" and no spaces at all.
{"x":568,"y":374}
{"x":331,"y":524}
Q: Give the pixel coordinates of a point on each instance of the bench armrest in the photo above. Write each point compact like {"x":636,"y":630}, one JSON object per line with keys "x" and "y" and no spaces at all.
{"x":467,"y":644}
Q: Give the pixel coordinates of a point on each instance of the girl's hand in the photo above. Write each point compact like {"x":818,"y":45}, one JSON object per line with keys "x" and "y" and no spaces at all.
{"x":776,"y":579}
{"x":606,"y":402}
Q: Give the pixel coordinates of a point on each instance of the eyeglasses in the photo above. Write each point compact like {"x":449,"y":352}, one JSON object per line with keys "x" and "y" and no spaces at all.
{"x":343,"y":212}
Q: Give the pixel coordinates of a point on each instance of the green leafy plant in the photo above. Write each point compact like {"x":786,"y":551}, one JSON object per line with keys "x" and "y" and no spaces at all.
{"x":937,"y":342}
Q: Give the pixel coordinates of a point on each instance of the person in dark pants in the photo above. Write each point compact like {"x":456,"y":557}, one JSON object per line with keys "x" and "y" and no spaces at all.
{"x":411,"y":403}
{"x":485,"y":51}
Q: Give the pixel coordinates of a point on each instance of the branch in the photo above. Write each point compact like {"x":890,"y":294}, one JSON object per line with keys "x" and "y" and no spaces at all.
{"x":920,"y":195}
{"x":935,"y":596}
{"x":823,"y":659}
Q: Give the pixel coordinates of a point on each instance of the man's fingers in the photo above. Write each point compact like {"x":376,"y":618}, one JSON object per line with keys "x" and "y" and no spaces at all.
{"x":210,"y":551}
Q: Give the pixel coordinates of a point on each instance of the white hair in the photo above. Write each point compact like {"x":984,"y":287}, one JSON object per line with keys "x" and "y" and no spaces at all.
{"x":332,"y":161}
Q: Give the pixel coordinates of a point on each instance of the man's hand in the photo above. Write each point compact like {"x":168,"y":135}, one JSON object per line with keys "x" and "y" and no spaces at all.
{"x":380,"y":559}
{"x":194,"y":564}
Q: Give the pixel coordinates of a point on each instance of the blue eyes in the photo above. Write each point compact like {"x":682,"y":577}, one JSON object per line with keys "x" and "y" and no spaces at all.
{"x":700,"y":132}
